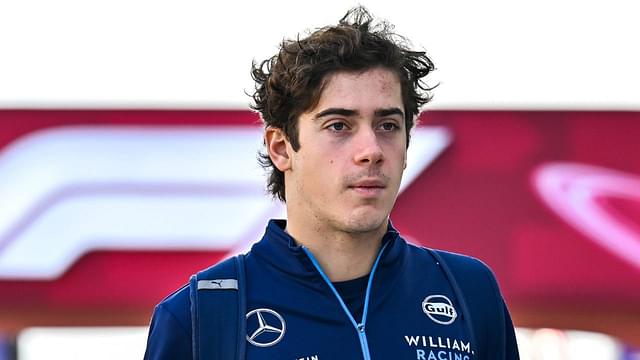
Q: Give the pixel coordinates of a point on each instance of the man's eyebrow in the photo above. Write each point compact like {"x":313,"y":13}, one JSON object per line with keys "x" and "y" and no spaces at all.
{"x":388,"y":112}
{"x":336,"y":111}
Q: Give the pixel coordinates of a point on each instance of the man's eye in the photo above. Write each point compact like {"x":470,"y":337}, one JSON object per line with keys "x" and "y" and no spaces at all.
{"x":337,"y":126}
{"x":389,"y":126}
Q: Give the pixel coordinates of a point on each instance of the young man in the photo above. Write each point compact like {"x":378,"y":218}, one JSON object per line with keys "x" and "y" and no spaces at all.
{"x":336,"y":280}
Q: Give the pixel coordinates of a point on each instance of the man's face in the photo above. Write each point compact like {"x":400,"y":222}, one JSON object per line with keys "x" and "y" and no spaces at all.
{"x":347,"y":172}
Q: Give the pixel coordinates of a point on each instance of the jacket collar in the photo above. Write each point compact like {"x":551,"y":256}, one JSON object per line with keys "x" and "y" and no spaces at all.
{"x":280,"y":250}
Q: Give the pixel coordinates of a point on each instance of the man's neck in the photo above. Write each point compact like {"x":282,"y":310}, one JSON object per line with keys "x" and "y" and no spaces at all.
{"x":342,"y":256}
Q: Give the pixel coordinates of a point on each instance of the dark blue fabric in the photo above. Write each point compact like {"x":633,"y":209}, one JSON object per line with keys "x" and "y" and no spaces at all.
{"x":281,"y":278}
{"x":170,"y":329}
{"x":219,"y":313}
{"x":352,"y":293}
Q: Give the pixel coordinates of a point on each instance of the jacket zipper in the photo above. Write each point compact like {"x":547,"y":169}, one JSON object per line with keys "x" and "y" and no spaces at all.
{"x":360,"y":327}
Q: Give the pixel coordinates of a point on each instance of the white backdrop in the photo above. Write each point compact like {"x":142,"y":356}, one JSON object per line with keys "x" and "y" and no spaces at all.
{"x":196,"y":54}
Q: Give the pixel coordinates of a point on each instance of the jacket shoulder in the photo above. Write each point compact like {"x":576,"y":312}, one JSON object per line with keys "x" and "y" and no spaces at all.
{"x":223,"y":269}
{"x":469,"y":267}
{"x":461,"y":260}
{"x":170,"y":329}
{"x":457,"y":260}
{"x":178,"y":305}
{"x":470,"y":270}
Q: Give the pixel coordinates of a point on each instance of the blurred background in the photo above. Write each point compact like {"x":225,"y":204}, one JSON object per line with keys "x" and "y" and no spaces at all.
{"x":128,"y":160}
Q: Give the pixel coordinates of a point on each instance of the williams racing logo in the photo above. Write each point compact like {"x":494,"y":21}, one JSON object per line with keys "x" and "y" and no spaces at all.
{"x":439,"y":309}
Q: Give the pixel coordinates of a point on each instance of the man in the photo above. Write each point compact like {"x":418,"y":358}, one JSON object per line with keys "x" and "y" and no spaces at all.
{"x":336,"y":280}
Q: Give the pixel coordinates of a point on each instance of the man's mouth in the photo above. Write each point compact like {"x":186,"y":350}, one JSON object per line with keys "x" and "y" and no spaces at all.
{"x":368,"y":187}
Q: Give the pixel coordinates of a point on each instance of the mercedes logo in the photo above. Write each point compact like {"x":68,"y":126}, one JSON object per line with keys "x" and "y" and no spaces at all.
{"x":269,"y":327}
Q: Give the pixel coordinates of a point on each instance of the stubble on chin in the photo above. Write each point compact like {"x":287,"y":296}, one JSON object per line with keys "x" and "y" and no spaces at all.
{"x":360,"y":224}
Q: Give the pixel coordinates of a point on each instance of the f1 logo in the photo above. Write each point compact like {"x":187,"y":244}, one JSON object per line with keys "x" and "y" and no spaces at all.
{"x":69,"y":190}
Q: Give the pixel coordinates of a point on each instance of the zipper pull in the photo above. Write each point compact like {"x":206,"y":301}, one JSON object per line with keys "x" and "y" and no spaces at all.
{"x":361,"y":328}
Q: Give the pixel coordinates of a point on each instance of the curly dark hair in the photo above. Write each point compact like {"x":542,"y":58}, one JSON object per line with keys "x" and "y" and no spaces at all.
{"x":291,"y":82}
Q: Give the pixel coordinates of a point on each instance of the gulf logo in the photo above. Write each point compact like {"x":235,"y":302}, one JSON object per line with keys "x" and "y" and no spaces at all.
{"x":439,"y":309}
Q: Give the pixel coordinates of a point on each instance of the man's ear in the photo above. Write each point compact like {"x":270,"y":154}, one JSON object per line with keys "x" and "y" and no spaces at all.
{"x":278,"y":147}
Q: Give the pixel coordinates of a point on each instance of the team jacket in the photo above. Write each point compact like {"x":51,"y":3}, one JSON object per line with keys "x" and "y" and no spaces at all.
{"x":411,"y":310}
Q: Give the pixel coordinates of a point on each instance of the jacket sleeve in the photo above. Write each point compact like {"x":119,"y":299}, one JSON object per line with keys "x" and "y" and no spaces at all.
{"x":511,"y":346}
{"x":168,"y":339}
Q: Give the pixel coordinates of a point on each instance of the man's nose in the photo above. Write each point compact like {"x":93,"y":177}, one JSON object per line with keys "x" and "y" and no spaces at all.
{"x":368,"y":147}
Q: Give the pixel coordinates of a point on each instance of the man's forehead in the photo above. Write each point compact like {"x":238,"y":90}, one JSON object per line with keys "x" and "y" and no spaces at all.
{"x":373,"y":90}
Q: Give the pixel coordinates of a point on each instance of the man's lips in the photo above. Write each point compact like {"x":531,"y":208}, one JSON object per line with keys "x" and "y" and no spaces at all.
{"x":368,"y":187}
{"x":369,"y":183}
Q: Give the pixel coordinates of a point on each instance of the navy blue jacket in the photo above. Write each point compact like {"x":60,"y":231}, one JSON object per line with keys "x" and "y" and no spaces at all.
{"x":411,"y":310}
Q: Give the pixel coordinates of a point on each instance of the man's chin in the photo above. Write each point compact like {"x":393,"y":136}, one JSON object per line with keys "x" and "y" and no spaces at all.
{"x":367,"y":223}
